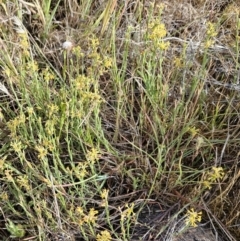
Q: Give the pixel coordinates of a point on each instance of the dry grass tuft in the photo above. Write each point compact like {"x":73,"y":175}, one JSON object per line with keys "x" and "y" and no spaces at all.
{"x":119,"y":119}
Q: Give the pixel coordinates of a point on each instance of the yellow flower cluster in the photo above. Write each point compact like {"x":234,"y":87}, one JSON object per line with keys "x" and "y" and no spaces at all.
{"x":104,"y":196}
{"x":9,"y":175}
{"x":17,"y":146}
{"x":193,"y":217}
{"x":77,"y":51}
{"x":83,"y":83}
{"x":99,"y":62}
{"x":30,"y":111}
{"x":158,"y":30}
{"x":50,"y":126}
{"x":157,"y":33}
{"x":48,"y":75}
{"x":15,"y":123}
{"x":92,"y":97}
{"x":42,"y":152}
{"x":107,"y":62}
{"x":80,"y":171}
{"x":24,"y":44}
{"x":48,"y":143}
{"x":52,"y":109}
{"x":104,"y":236}
{"x":211,"y":33}
{"x":23,"y":182}
{"x":93,"y":155}
{"x":211,"y":30}
{"x":217,"y":173}
{"x":32,"y":66}
{"x":178,"y":62}
{"x":94,"y":41}
{"x":212,"y":176}
{"x":128,"y":213}
{"x":89,"y":218}
{"x":4,"y":196}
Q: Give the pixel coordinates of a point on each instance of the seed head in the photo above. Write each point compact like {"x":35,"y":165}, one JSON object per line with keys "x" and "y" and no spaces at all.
{"x":67,"y":45}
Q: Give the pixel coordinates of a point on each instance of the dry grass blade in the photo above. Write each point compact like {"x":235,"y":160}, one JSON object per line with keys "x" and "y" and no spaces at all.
{"x":107,"y":14}
{"x":219,"y":223}
{"x":4,"y":90}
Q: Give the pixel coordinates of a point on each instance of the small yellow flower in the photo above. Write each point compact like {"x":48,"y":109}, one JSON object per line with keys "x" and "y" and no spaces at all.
{"x":8,"y":174}
{"x":128,"y":212}
{"x":80,"y":171}
{"x":17,"y":146}
{"x":178,"y":62}
{"x":104,"y":236}
{"x":193,"y":131}
{"x":79,"y":210}
{"x":48,"y":144}
{"x":91,"y":218}
{"x":26,"y":53}
{"x":207,"y":184}
{"x":50,"y":126}
{"x":80,"y":222}
{"x":82,"y":82}
{"x":24,"y":40}
{"x":107,"y":62}
{"x":216,"y":173}
{"x":4,"y":196}
{"x":104,"y":194}
{"x":22,"y":118}
{"x":48,"y":75}
{"x":24,"y":44}
{"x":157,"y":30}
{"x":30,"y":110}
{"x":32,"y":66}
{"x":161,"y":7}
{"x":209,"y":43}
{"x":23,"y":182}
{"x":78,"y":51}
{"x":96,"y":60}
{"x":163,"y":45}
{"x":42,"y":152}
{"x":211,"y":30}
{"x":93,"y":155}
{"x":52,"y":109}
{"x":94,"y":43}
{"x":92,"y":97}
{"x":193,"y":217}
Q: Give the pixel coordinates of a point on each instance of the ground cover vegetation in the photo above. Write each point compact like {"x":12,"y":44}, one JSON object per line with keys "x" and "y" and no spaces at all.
{"x":118,"y":119}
